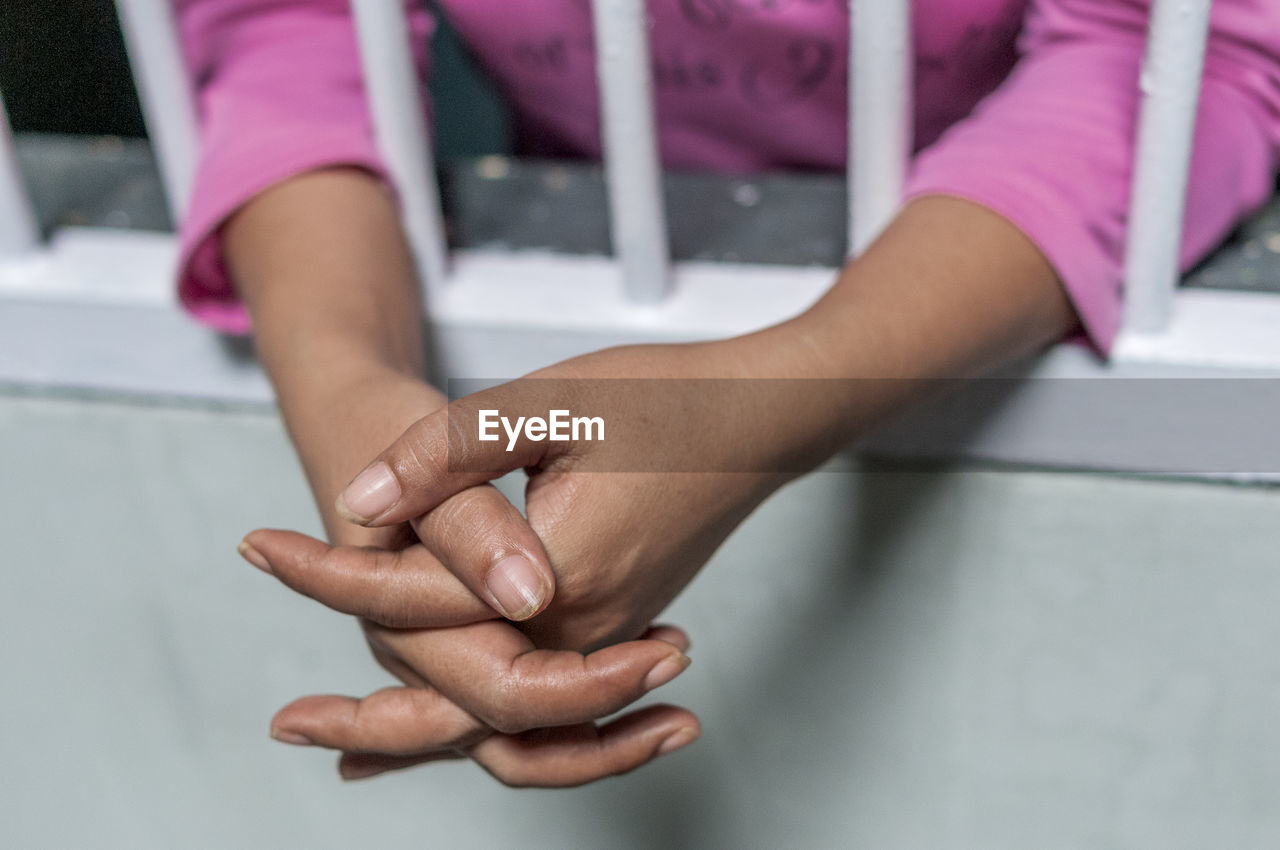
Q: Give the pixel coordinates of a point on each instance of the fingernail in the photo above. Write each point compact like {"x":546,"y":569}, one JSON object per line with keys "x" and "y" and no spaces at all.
{"x":359,"y":771}
{"x":253,"y":556}
{"x":682,"y":737}
{"x":517,"y":586}
{"x":370,"y":495}
{"x":666,"y":670}
{"x":286,"y":737}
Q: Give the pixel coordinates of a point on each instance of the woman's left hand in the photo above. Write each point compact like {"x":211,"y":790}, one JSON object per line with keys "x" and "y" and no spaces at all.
{"x":688,"y":451}
{"x":630,"y":509}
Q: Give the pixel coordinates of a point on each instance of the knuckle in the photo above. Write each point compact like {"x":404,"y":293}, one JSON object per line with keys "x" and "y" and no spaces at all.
{"x":413,"y":460}
{"x":387,"y":610}
{"x":458,"y":449}
{"x":389,"y":604}
{"x":293,"y":566}
{"x":358,"y":722}
{"x":463,"y":520}
{"x":357,"y":727}
{"x":309,"y":571}
{"x":418,"y":452}
{"x":504,"y":712}
{"x":465,"y":451}
{"x":328,"y":558}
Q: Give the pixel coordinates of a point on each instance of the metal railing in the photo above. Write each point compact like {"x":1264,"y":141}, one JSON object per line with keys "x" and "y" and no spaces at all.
{"x":880,"y":134}
{"x":164,"y":89}
{"x":18,"y":230}
{"x":1170,"y":83}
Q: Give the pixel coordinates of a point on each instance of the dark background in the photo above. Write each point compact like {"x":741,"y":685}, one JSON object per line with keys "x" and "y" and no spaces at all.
{"x":64,"y":70}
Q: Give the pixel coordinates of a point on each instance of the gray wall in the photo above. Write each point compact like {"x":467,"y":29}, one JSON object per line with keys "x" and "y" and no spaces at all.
{"x":934,"y":658}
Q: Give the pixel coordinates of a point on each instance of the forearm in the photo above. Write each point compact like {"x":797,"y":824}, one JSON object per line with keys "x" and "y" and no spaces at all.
{"x":323,"y":267}
{"x":321,"y":263}
{"x":950,"y":290}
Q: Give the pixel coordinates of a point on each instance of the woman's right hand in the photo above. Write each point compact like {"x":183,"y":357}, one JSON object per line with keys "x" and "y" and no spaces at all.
{"x":322,"y":264}
{"x":524,"y":714}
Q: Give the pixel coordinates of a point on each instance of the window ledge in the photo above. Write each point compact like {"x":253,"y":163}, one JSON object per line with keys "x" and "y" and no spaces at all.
{"x":95,"y":313}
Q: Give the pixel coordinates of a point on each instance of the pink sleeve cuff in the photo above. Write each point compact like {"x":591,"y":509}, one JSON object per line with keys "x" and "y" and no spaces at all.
{"x":204,"y":285}
{"x":280,"y":92}
{"x":1052,"y":149}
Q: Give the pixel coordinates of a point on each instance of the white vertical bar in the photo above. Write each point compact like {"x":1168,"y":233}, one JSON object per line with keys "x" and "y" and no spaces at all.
{"x":395,"y":104}
{"x":1170,"y":85}
{"x":637,"y":218}
{"x":164,"y":88}
{"x":880,"y":115}
{"x":18,"y":229}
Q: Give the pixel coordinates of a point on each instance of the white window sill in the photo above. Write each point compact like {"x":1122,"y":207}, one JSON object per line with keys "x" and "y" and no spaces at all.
{"x":95,"y":312}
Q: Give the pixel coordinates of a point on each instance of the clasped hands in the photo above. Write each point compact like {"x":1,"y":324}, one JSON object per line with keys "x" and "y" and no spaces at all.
{"x":510,"y":636}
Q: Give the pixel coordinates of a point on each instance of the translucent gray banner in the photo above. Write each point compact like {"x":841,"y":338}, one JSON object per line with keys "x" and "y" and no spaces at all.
{"x":1208,"y":426}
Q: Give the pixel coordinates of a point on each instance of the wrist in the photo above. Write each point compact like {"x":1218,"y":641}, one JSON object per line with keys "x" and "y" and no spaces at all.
{"x":830,"y":375}
{"x":899,"y":320}
{"x":786,"y":418}
{"x":344,"y":423}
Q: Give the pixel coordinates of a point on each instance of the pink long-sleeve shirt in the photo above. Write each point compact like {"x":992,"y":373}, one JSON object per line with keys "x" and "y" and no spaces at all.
{"x":1028,"y":107}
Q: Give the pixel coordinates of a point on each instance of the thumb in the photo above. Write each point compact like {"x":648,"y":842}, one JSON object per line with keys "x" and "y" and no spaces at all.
{"x":442,"y":454}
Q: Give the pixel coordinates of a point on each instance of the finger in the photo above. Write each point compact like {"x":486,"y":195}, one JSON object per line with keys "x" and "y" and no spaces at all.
{"x":442,"y":454}
{"x":573,"y":755}
{"x":392,"y":721}
{"x":483,"y":540}
{"x":494,"y":672}
{"x":352,"y":766}
{"x":396,"y":666}
{"x":408,"y":588}
{"x":556,"y":758}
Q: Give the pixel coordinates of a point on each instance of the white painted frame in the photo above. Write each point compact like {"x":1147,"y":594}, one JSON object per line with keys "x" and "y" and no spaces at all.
{"x":881,"y":122}
{"x":164,"y":90}
{"x":19,"y":232}
{"x":400,"y":125}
